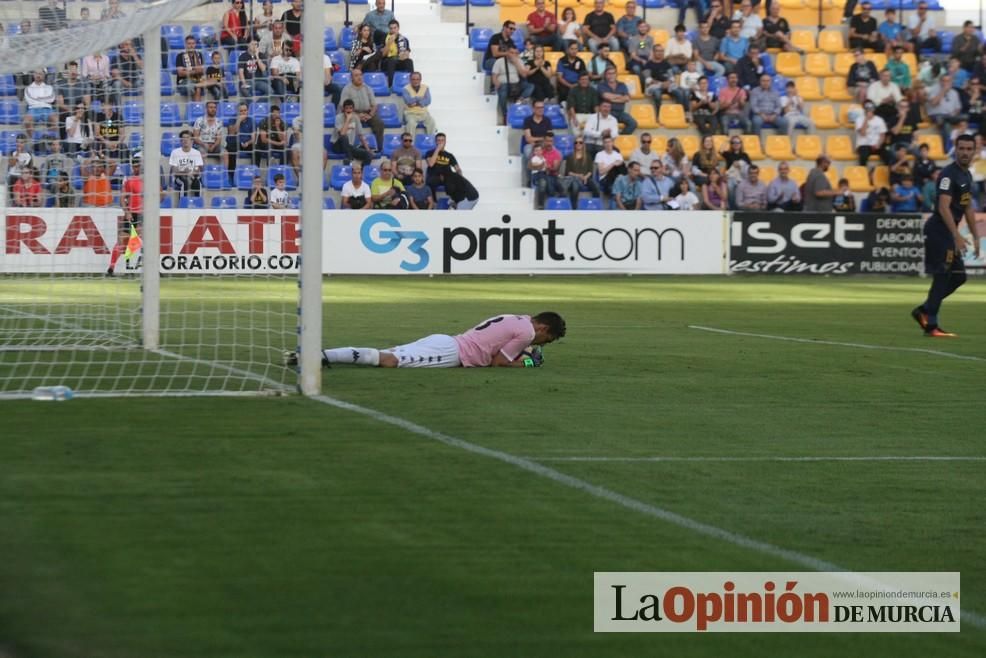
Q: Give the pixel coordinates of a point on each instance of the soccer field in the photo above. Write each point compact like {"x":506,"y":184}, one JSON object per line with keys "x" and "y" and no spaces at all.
{"x":463,"y":512}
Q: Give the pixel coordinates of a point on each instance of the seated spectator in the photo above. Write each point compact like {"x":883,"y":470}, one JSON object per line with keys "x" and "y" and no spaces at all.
{"x":782,"y":192}
{"x":349,"y":137}
{"x":64,"y":193}
{"x":190,"y":71}
{"x":27,"y":190}
{"x":386,"y":191}
{"x":705,"y":159}
{"x":72,"y":91}
{"x":579,"y":173}
{"x":885,"y":94}
{"x":733,"y":106}
{"x":251,"y":73}
{"x":944,"y":106}
{"x":751,"y":25}
{"x":627,"y":190}
{"x":98,"y":76}
{"x":108,"y":144}
{"x":396,"y":52}
{"x":657,"y":78}
{"x":644,"y":154}
{"x":279,"y":195}
{"x":921,"y":26}
{"x":871,"y":131}
{"x":213,"y":83}
{"x":749,"y":68}
{"x":609,"y":165}
{"x":545,"y":178}
{"x":365,"y":104}
{"x":706,"y":49}
{"x":536,"y":127}
{"x":570,"y":29}
{"x":715,"y":193}
{"x":418,"y":193}
{"x":234,"y":33}
{"x":900,"y":165}
{"x":924,"y":167}
{"x":878,"y":201}
{"x":365,"y":55}
{"x":40,"y":97}
{"x":499,"y":45}
{"x":356,"y":193}
{"x":273,"y":42}
{"x":271,"y":140}
{"x":599,"y":63}
{"x":893,"y":33}
{"x":793,"y":110}
{"x":379,"y":19}
{"x":54,"y":165}
{"x":777,"y":31}
{"x":960,"y":77}
{"x":676,"y":163}
{"x":583,"y":99}
{"x":96,"y":189}
{"x":900,"y":71}
{"x":78,"y":131}
{"x":627,"y":26}
{"x":541,"y":76}
{"x":257,"y":197}
{"x":614,"y":91}
{"x":510,"y":80}
{"x":129,"y":67}
{"x":844,"y":201}
{"x":766,"y":108}
{"x":684,"y":197}
{"x":656,"y":190}
{"x":863,"y":30}
{"x":679,"y":50}
{"x":641,"y":48}
{"x":444,"y":169}
{"x":966,"y":47}
{"x":52,"y":17}
{"x":861,"y":74}
{"x":906,"y":197}
{"x":240,"y":136}
{"x":406,"y":159}
{"x":732,"y":47}
{"x":750,"y":193}
{"x":687,"y":81}
{"x":285,"y":74}
{"x":718,"y":18}
{"x":542,"y":27}
{"x":209,"y":133}
{"x":704,"y":106}
{"x":186,"y":167}
{"x":570,"y":69}
{"x":599,"y":27}
{"x":599,"y":127}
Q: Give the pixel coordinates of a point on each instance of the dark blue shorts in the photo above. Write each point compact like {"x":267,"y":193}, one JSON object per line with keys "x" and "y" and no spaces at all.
{"x":940,"y":256}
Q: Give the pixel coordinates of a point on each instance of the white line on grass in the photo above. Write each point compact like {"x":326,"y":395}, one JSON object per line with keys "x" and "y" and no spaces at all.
{"x":795,"y":557}
{"x":836,"y":343}
{"x":869,"y":458}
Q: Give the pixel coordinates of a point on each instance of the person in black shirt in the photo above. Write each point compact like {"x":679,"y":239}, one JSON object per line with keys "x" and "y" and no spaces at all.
{"x":863,"y":30}
{"x":924,"y":167}
{"x":443,"y":169}
{"x":498,"y":44}
{"x":292,"y":19}
{"x":718,"y":20}
{"x":599,"y":27}
{"x":944,"y":246}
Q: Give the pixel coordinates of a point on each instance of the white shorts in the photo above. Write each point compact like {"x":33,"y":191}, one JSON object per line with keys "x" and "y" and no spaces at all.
{"x":435,"y":351}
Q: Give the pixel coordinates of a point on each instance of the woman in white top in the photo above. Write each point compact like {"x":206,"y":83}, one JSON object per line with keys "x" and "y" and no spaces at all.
{"x":569,"y":27}
{"x":684,"y":198}
{"x":675,"y":161}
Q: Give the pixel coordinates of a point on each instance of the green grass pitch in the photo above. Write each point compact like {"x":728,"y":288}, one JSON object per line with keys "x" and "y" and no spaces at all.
{"x":283,"y":527}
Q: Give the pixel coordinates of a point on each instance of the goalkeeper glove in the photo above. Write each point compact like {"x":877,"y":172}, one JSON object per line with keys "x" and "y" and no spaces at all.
{"x":535,"y":358}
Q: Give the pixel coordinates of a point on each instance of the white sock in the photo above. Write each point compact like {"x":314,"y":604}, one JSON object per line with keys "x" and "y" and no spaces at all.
{"x":361,"y":356}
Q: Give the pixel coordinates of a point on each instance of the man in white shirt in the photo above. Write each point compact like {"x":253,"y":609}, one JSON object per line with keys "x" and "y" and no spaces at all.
{"x":40,"y":98}
{"x":870,"y":131}
{"x":644,"y":154}
{"x":609,"y":165}
{"x":598,"y":127}
{"x":678,"y":51}
{"x":355,"y":192}
{"x":186,"y":167}
{"x":921,"y":25}
{"x":885,"y":94}
{"x":510,"y":80}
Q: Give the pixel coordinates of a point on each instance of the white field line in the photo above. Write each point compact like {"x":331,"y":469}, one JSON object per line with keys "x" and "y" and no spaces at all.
{"x":812,"y":458}
{"x":531,"y":466}
{"x":835,"y":343}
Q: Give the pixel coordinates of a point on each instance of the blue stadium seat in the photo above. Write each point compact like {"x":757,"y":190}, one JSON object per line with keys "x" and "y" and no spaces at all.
{"x":779,"y":84}
{"x":191,"y":202}
{"x":135,"y":141}
{"x":327,"y":145}
{"x":193,"y":111}
{"x":442,"y":203}
{"x":479,"y":38}
{"x":346,"y":37}
{"x":259,"y":110}
{"x":228,"y":110}
{"x":133,"y":113}
{"x":205,"y":36}
{"x":564,"y":143}
{"x":359,"y":2}
{"x":589,"y":203}
{"x":558,"y":203}
{"x":7,"y":85}
{"x":328,"y":115}
{"x":401,"y":80}
{"x":340,"y":59}
{"x":8,"y":141}
{"x":170,"y":114}
{"x":516,"y":113}
{"x":10,"y":112}
{"x":328,"y":203}
{"x":224,"y":202}
{"x":294,"y":202}
{"x":456,"y":3}
{"x":290,"y":180}
{"x":424,"y":143}
{"x":391,"y":142}
{"x":214,"y":177}
{"x":175,"y":35}
{"x":342,"y":78}
{"x":377,"y":81}
{"x":338,"y":176}
{"x":389,"y":114}
{"x":946,"y":37}
{"x":482,"y":3}
{"x":371,"y":139}
{"x":371,"y":173}
{"x":768,"y":64}
{"x":716,"y":83}
{"x":169,"y":142}
{"x":290,"y":112}
{"x":556,"y":115}
{"x":329,"y":40}
{"x":244,"y":176}
{"x":661,"y":4}
{"x":519,"y":40}
{"x":167,"y":88}
{"x":76,"y":176}
{"x":167,"y":203}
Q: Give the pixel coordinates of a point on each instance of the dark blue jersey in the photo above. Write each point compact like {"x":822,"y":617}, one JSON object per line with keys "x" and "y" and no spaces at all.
{"x":957,"y":183}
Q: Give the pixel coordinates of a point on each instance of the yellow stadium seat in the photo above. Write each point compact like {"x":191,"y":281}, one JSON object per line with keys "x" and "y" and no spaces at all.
{"x":843,"y":62}
{"x":912,"y":62}
{"x":511,"y":3}
{"x":778,"y":147}
{"x":553,"y":58}
{"x":859,"y":178}
{"x":619,"y":59}
{"x":625,"y":144}
{"x":818,"y":64}
{"x":645,"y":116}
{"x":879,"y":60}
{"x":831,"y":41}
{"x":833,"y":177}
{"x":824,"y":116}
{"x":751,"y":144}
{"x":690,"y":143}
{"x":633,"y":85}
{"x":808,"y":88}
{"x":839,"y":147}
{"x":792,"y":4}
{"x":661,"y":37}
{"x":672,"y":116}
{"x":844,"y":111}
{"x":881,"y":176}
{"x":835,"y":89}
{"x":805,"y":40}
{"x":659,"y":143}
{"x":799,"y":175}
{"x":789,"y":65}
{"x":585,"y":56}
{"x":720,"y":142}
{"x":808,"y":147}
{"x":618,"y":4}
{"x":767,"y":174}
{"x":936,"y":150}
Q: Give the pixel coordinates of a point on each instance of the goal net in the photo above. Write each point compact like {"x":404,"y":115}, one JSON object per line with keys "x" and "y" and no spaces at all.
{"x":144,"y":253}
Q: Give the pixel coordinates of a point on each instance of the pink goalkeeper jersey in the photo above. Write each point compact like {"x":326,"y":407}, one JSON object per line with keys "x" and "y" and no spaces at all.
{"x":508,"y":334}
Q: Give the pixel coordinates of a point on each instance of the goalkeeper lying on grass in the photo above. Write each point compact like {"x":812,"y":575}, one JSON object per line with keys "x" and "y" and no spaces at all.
{"x":505,"y":340}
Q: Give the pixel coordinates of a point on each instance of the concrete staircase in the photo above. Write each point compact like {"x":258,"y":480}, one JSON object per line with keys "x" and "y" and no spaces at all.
{"x":460,"y":109}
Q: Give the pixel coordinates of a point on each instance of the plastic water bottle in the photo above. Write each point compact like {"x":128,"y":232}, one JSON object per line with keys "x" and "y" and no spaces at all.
{"x":52,"y":393}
